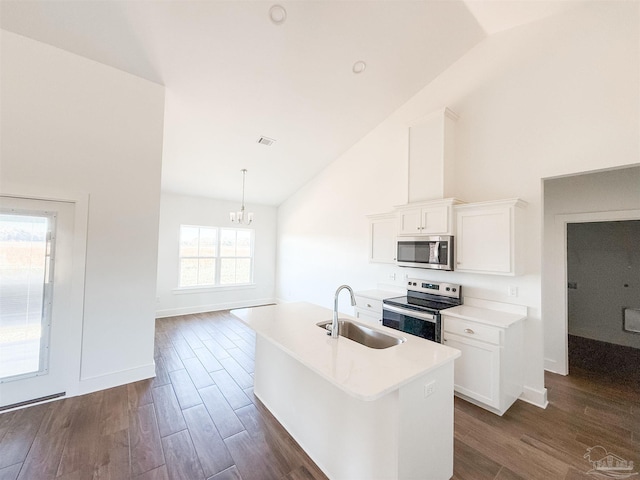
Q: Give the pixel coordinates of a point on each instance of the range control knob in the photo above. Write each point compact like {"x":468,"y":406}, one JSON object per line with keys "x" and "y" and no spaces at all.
{"x":454,"y":289}
{"x":448,"y":289}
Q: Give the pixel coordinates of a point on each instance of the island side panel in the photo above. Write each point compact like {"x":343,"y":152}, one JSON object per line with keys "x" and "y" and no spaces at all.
{"x":346,"y":437}
{"x":426,"y":426}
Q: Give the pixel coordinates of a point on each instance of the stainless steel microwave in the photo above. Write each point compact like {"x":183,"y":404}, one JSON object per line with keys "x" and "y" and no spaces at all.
{"x":435,"y":252}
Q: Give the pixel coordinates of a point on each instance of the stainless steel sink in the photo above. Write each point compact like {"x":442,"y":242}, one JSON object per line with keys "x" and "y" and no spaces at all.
{"x":363,"y":335}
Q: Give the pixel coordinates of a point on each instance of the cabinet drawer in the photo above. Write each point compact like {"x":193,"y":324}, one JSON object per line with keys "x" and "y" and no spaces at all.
{"x":373,"y":306}
{"x":467,"y":329}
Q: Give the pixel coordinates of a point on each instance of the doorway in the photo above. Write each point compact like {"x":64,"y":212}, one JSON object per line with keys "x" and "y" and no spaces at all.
{"x":36,"y":258}
{"x":603,"y":296}
{"x":602,"y":196}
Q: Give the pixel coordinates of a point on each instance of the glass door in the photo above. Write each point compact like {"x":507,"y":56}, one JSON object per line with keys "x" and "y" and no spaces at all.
{"x":26,"y":274}
{"x":39,"y":333}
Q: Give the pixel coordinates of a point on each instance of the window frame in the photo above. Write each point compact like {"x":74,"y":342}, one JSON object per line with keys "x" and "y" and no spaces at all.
{"x":217,"y":258}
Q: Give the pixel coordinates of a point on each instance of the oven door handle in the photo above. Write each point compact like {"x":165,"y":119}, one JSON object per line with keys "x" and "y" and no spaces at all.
{"x":410,"y":313}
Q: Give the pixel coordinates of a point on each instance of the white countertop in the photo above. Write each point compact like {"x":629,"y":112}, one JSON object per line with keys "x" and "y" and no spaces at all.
{"x":362,"y":372}
{"x":486,"y":316}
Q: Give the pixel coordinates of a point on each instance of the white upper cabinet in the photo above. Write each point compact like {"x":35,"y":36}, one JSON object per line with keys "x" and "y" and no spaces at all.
{"x":382,"y":238}
{"x":427,"y":218}
{"x":490,"y":236}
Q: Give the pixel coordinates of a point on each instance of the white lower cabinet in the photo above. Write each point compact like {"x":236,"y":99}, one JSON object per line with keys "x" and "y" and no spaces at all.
{"x":368,"y":307}
{"x":489,"y":372}
{"x":477,"y":372}
{"x":366,"y":316}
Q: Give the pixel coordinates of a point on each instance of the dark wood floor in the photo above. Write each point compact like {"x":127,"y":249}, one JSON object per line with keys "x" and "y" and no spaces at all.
{"x":198,"y":419}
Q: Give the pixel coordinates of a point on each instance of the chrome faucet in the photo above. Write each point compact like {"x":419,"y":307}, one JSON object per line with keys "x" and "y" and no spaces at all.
{"x":335,"y":326}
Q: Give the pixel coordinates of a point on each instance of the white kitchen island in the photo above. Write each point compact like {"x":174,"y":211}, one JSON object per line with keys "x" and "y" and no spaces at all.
{"x":360,"y":413}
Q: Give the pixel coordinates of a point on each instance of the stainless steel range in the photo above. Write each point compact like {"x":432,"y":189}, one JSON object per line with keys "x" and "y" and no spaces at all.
{"x":419,"y":312}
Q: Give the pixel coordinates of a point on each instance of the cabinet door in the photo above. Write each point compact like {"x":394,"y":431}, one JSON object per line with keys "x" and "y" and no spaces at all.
{"x":368,"y":317}
{"x":382,"y":240}
{"x":410,"y":222}
{"x":484,"y":240}
{"x":477,"y":371}
{"x":435,"y":220}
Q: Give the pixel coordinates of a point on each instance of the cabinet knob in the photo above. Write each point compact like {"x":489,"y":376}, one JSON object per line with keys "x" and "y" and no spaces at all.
{"x":468,"y":330}
{"x":369,"y":305}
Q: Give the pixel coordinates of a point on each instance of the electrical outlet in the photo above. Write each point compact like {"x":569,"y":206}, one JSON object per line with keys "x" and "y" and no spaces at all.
{"x":429,"y":389}
{"x":513,"y":291}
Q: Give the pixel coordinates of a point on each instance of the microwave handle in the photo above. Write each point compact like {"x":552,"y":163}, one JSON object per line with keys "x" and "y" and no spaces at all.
{"x":411,"y":313}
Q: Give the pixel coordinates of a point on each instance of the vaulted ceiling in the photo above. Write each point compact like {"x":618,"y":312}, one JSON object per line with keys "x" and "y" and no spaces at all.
{"x":232,"y":74}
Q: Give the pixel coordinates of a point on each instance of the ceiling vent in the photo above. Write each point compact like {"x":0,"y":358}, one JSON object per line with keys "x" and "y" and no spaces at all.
{"x":266,"y":141}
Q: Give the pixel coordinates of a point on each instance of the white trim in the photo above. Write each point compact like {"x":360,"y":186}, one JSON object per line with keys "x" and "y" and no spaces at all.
{"x":441,"y":112}
{"x":114,"y":379}
{"x":172,"y":312}
{"x":559,"y":275}
{"x":534,"y":396}
{"x":212,"y":288}
{"x":552,"y":366}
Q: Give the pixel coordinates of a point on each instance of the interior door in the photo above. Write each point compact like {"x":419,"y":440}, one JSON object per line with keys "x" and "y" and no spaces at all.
{"x":36,"y":243}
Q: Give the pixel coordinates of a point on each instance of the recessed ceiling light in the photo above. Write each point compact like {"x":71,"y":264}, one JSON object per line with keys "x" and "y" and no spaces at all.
{"x":266,"y":141}
{"x":359,"y":66}
{"x":278,"y":14}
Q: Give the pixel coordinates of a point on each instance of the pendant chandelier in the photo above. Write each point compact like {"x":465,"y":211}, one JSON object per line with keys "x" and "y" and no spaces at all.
{"x":240,"y":217}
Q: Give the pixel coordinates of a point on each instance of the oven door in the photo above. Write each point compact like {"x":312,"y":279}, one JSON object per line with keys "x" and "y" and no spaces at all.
{"x":421,"y":324}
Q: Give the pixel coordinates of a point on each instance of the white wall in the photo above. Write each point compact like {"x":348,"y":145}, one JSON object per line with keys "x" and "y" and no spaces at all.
{"x":176,"y":210}
{"x":557,"y":96}
{"x":603,"y":260}
{"x":588,"y":197}
{"x":78,"y":128}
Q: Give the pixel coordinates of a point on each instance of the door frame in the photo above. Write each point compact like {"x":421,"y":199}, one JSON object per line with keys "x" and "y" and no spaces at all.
{"x":78,"y":269}
{"x":558,"y":277}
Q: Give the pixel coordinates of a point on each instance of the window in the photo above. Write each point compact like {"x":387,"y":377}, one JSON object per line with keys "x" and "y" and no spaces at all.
{"x":215,"y":256}
{"x":25,"y":293}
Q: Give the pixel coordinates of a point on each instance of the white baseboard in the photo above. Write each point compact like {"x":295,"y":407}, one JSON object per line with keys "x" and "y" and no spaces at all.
{"x":213,"y":307}
{"x":534,"y":396}
{"x":115,"y":379}
{"x":554,"y":367}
